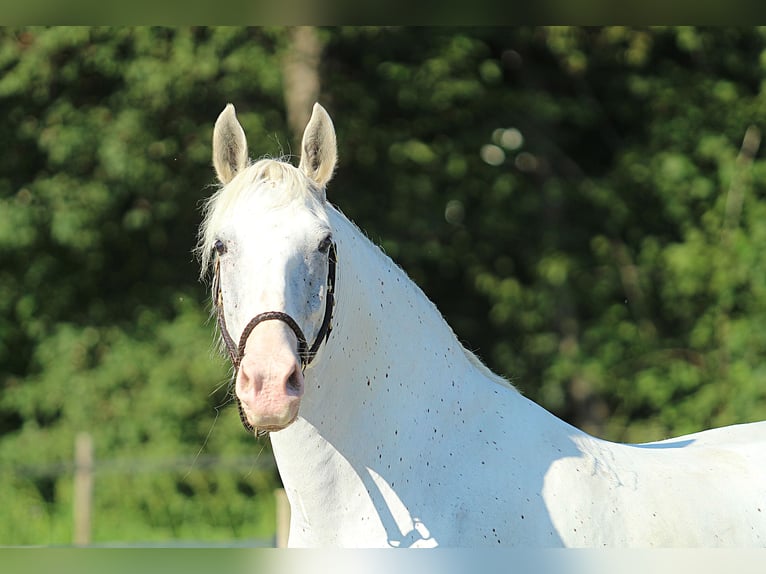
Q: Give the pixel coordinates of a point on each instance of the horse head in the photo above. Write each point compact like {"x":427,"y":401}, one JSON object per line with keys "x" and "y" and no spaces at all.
{"x":269,"y":240}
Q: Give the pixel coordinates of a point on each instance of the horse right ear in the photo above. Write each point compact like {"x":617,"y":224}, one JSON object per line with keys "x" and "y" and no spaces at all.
{"x":229,"y":146}
{"x":319,"y":152}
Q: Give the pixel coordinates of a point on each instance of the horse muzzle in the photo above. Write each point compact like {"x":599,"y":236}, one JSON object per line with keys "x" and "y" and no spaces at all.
{"x":269,"y":383}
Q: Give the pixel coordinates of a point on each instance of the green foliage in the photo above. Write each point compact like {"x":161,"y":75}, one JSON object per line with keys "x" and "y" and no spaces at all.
{"x":586,"y":206}
{"x":578,"y":204}
{"x":103,"y":326}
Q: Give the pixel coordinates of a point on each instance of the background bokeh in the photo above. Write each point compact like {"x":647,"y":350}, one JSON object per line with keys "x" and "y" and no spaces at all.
{"x":586,"y":206}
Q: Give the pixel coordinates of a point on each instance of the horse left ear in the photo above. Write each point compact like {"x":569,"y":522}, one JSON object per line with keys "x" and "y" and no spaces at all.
{"x":319,"y":152}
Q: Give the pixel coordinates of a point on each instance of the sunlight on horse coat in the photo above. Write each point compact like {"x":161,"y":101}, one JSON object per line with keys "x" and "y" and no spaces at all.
{"x":396,"y":435}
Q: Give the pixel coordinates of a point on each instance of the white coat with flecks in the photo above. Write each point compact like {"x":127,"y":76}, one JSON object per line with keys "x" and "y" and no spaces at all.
{"x":397,"y":436}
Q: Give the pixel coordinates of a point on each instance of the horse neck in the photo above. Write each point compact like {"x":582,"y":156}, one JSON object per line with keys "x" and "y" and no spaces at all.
{"x":391,"y":355}
{"x":387,"y":327}
{"x":392,"y":390}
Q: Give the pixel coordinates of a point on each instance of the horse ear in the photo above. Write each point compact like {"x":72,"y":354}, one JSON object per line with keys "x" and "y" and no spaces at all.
{"x":319,"y":152}
{"x":229,"y":146}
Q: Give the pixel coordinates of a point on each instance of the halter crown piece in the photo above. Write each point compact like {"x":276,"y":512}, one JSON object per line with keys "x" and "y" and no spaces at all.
{"x":306,"y":353}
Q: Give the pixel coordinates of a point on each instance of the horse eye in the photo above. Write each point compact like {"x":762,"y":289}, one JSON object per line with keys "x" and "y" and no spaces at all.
{"x":219,"y":246}
{"x":324,"y":245}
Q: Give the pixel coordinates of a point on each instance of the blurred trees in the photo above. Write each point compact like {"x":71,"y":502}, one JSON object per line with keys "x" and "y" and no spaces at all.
{"x":583,"y":204}
{"x":104,"y":326}
{"x":586,"y":206}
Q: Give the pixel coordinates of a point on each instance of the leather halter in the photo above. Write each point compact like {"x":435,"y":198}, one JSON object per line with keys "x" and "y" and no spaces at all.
{"x":306,"y":353}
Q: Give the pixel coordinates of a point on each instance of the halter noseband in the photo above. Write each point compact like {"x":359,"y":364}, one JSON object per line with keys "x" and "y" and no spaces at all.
{"x":306,"y":353}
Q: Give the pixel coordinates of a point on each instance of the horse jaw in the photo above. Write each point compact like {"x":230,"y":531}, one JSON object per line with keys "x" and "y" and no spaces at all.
{"x":270,"y":382}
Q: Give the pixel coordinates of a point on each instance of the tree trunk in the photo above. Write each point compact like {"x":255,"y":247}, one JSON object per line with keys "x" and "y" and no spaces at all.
{"x":300,"y":72}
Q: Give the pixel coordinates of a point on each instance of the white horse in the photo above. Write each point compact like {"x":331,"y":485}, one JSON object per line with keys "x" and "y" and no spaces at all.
{"x":395,"y":435}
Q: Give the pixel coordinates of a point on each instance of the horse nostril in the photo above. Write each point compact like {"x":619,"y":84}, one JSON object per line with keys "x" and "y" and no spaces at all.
{"x":294,"y":382}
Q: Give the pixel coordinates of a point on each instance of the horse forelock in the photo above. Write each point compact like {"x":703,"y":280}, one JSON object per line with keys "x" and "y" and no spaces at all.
{"x":276,"y":181}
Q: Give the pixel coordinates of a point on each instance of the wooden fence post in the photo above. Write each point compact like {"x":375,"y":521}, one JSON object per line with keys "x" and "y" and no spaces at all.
{"x":83,"y":488}
{"x":283,"y":517}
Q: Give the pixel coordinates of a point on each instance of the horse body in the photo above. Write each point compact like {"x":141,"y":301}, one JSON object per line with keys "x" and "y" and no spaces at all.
{"x":416,"y":444}
{"x":403,"y":438}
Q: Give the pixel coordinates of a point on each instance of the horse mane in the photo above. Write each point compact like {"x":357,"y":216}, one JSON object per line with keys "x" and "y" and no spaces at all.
{"x":486,"y":371}
{"x":258,"y":177}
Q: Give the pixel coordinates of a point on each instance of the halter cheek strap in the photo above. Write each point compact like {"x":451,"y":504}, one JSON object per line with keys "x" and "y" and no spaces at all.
{"x":306,"y":353}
